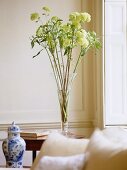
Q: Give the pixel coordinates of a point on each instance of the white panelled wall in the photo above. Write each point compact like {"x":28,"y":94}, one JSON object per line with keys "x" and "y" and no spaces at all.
{"x":27,"y":88}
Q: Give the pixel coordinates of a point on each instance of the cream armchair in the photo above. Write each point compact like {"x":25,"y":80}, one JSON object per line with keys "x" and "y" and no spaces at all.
{"x":105,"y":150}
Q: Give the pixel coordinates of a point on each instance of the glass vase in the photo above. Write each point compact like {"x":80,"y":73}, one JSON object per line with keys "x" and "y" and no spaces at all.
{"x":63,"y":101}
{"x":64,"y":96}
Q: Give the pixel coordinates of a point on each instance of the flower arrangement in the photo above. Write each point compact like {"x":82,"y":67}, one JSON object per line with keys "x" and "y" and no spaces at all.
{"x":59,"y":40}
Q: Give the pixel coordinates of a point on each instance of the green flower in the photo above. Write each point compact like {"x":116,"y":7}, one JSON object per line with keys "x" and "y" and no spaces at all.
{"x":79,"y":34}
{"x":66,"y":28}
{"x":84,"y":32}
{"x":74,"y":16}
{"x":49,"y":37}
{"x":86,"y":43}
{"x":47,"y":9}
{"x":85,"y":17}
{"x":34,"y":16}
{"x":76,"y":24}
{"x":39,"y":32}
{"x":82,"y":41}
{"x":66,"y":42}
{"x":54,"y":19}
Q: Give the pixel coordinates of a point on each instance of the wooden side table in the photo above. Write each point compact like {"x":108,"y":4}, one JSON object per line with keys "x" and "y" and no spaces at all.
{"x":34,"y":145}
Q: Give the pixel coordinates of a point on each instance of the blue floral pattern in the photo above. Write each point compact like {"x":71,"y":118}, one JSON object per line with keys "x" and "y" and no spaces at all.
{"x":14,"y":147}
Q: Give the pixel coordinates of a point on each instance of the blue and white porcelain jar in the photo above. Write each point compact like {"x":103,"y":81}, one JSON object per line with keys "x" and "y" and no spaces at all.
{"x":14,"y":147}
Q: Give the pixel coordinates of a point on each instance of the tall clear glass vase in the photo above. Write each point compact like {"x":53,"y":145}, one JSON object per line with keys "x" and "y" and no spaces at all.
{"x":63,"y":101}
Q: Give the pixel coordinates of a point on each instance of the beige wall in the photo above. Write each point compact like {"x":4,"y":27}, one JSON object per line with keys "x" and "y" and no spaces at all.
{"x":93,"y":68}
{"x":28,"y":92}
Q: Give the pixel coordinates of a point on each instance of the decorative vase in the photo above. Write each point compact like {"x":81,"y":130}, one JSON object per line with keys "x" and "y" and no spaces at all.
{"x":14,"y":147}
{"x":63,"y":97}
{"x":63,"y":101}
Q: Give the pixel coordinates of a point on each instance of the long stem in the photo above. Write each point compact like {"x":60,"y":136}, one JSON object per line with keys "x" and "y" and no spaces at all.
{"x":65,"y":75}
{"x":57,"y":62}
{"x":68,"y":71}
{"x":60,"y":72}
{"x":56,"y":66}
{"x":69,"y":62}
{"x":62,"y":62}
{"x":53,"y":69}
{"x":79,"y":58}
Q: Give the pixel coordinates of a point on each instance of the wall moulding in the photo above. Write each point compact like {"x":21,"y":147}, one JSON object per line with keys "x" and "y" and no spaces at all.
{"x":51,"y":125}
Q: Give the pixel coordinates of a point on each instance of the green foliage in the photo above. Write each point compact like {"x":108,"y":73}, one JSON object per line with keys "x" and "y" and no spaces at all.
{"x":59,"y":39}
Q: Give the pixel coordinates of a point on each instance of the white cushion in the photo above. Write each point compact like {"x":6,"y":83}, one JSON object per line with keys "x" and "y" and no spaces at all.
{"x":59,"y":145}
{"x":75,"y":162}
{"x":103,"y":154}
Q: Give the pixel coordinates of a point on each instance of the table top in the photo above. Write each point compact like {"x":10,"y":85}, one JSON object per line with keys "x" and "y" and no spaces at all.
{"x":34,"y":139}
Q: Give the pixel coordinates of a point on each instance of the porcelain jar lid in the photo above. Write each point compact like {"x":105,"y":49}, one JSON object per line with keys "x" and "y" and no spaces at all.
{"x":13,"y":128}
